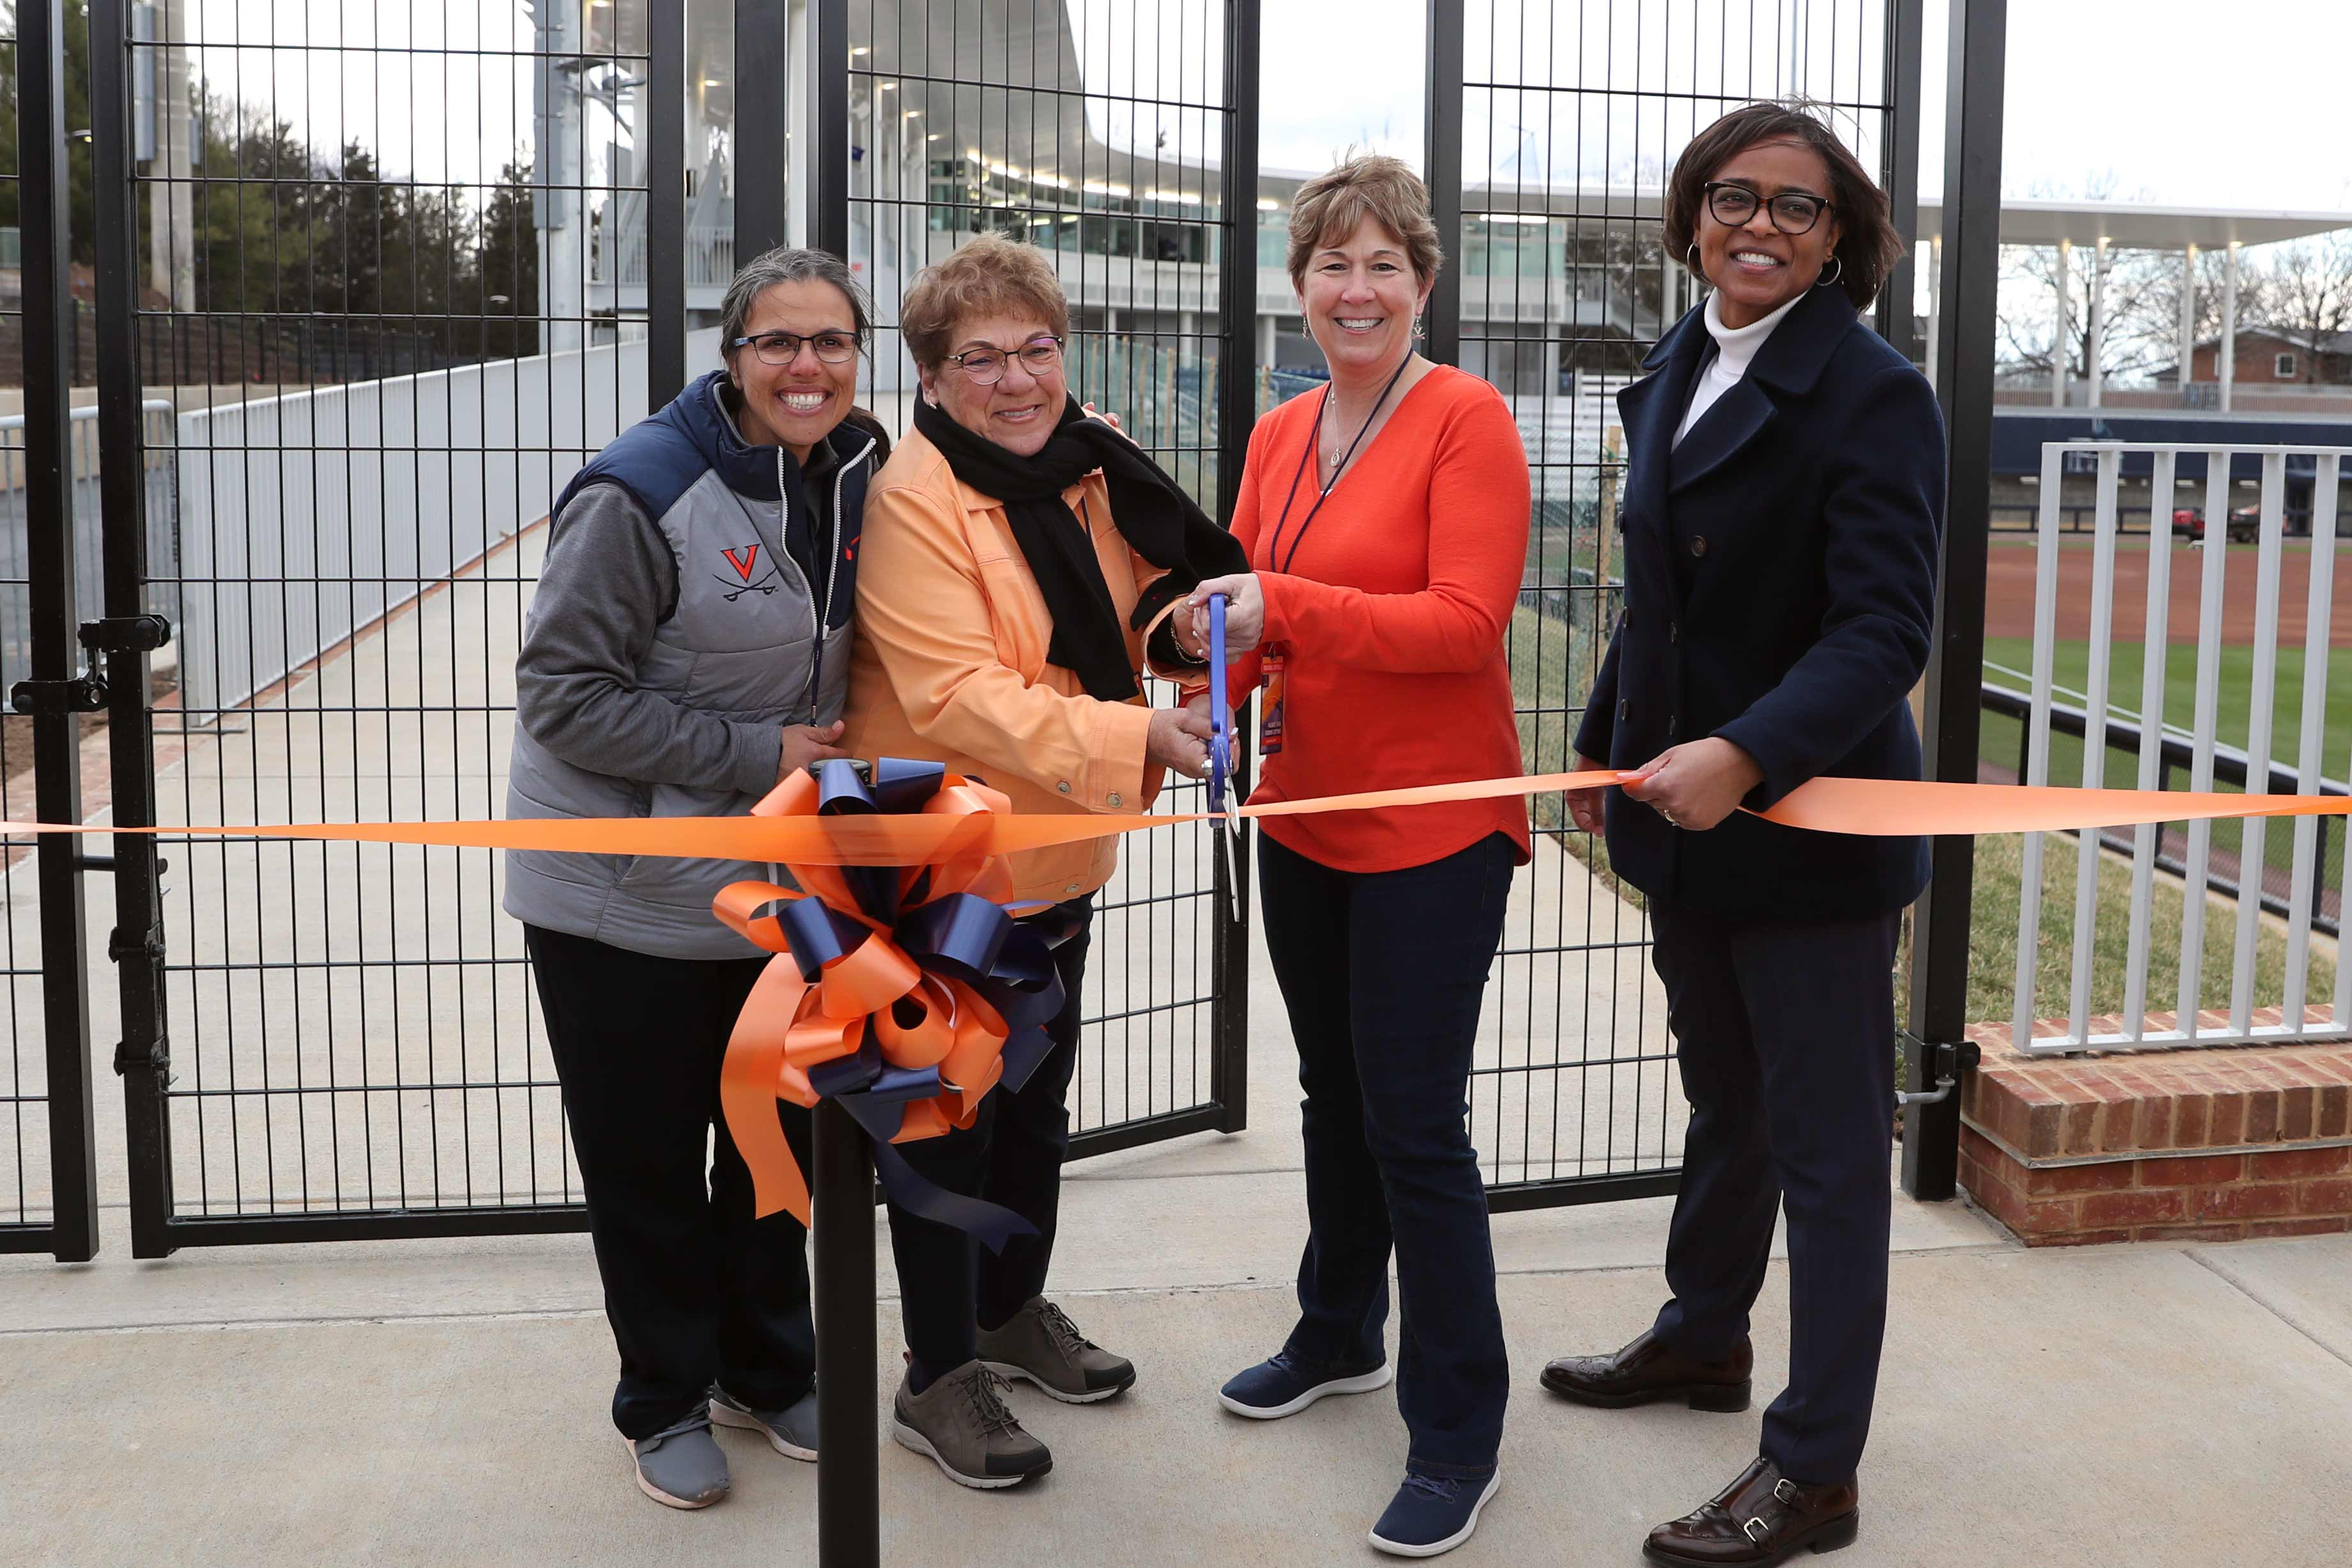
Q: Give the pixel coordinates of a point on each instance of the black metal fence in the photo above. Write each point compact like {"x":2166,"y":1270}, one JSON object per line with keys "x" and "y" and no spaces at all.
{"x":463,"y":215}
{"x":1551,"y":131}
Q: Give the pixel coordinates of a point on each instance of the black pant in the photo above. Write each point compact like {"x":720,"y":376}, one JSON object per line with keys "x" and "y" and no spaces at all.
{"x":1786,"y":1035}
{"x":1383,"y":974}
{"x":696,"y":1290}
{"x":948,"y":1285}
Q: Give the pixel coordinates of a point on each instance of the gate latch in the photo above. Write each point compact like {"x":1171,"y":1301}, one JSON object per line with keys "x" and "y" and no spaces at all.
{"x":126,"y":634}
{"x":1946,"y":1061}
{"x":85,"y":693}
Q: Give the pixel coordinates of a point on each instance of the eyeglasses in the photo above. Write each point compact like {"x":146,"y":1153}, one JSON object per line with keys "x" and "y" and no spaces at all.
{"x":985,"y":367}
{"x":1793,"y":212}
{"x":783,"y":347}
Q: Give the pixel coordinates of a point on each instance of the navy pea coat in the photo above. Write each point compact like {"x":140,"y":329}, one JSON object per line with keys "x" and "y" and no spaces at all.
{"x":1780,"y":593}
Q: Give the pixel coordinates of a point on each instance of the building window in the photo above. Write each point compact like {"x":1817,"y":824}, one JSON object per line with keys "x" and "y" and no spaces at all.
{"x":2283,"y":367}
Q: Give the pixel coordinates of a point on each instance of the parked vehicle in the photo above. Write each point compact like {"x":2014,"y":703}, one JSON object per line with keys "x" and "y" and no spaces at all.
{"x":2243,"y":528}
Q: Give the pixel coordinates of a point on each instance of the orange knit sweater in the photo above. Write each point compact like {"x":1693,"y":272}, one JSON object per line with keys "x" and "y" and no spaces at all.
{"x":1392,"y":615}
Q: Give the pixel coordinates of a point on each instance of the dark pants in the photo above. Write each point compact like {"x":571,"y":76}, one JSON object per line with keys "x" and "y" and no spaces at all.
{"x":696,"y":1290}
{"x":1383,"y":974}
{"x":948,"y":1285}
{"x":1786,"y":1035}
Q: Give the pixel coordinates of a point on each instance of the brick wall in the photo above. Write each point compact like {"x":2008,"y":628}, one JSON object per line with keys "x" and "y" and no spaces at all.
{"x":2206,"y":1145}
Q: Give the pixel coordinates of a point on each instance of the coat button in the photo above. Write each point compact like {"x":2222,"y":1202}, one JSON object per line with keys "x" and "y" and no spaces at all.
{"x":1699,"y":544}
{"x":1670,"y":722}
{"x":1114,"y":799}
{"x":1673,"y":630}
{"x":1063,"y":786}
{"x":1625,"y":708}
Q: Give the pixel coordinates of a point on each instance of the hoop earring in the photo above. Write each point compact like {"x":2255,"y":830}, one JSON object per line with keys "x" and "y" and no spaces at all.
{"x":1828,"y":279}
{"x":1690,"y":262}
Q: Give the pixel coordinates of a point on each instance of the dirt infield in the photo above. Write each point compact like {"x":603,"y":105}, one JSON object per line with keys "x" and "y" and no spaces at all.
{"x":2009,"y":593}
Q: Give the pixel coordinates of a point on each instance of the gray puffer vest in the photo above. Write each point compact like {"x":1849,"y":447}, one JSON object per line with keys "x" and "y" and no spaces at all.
{"x":750,"y":640}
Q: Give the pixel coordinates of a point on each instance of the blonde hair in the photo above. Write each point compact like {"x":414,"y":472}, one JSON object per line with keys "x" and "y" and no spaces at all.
{"x":1330,"y":206}
{"x":991,"y":276}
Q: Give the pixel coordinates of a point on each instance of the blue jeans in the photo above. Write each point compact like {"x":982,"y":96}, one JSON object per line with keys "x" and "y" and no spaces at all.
{"x":1383,"y":974}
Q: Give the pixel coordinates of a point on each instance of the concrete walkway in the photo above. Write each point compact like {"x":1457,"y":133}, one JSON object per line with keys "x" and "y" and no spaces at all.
{"x":443,"y":1402}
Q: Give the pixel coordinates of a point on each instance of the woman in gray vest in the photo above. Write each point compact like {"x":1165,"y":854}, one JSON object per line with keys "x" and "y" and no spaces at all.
{"x":687,"y":648}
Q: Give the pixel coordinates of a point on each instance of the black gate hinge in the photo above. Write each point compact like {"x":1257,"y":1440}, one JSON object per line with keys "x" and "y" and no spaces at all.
{"x":156,"y":1058}
{"x":85,"y":693}
{"x":126,"y":633}
{"x":120,"y":945}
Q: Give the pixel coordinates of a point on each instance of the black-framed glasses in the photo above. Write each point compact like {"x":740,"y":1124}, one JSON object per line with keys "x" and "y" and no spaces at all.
{"x":1793,"y":212}
{"x":783,"y":347}
{"x":984,"y":367}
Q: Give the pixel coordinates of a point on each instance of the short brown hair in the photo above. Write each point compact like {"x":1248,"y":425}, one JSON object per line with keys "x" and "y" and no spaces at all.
{"x":991,"y":275}
{"x":1868,"y":246}
{"x":1328,"y":207}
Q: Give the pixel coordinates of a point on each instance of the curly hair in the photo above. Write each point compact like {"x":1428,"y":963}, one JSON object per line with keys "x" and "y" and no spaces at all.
{"x":991,"y":275}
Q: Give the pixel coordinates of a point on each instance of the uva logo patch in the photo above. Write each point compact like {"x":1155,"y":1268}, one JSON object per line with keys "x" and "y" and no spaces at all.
{"x":743,"y":560}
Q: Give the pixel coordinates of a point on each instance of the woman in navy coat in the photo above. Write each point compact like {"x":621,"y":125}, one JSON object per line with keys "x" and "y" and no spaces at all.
{"x":1781,"y":519}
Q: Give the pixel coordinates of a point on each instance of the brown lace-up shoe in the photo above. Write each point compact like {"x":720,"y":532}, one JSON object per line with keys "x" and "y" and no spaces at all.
{"x":1759,"y":1520}
{"x":960,"y":1424}
{"x":1042,"y":1344}
{"x":1646,"y":1372}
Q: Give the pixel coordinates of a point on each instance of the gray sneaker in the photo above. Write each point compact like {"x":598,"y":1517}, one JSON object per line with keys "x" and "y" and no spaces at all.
{"x":791,"y":1431}
{"x":960,"y":1422}
{"x":1042,"y":1344}
{"x":681,"y":1465}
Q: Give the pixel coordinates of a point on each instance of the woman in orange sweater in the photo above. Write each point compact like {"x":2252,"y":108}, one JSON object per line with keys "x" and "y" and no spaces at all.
{"x":1386,"y":517}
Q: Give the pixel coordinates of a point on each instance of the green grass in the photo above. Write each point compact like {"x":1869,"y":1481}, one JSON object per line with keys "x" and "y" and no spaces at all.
{"x":2070,"y":667}
{"x":1552,"y":665}
{"x":1992,"y":938}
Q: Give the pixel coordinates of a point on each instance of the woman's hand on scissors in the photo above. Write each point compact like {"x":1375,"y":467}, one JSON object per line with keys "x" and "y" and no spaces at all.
{"x":1245,"y":611}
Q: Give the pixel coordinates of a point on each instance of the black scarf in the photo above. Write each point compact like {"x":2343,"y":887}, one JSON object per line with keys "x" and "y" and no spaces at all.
{"x":1150,"y":510}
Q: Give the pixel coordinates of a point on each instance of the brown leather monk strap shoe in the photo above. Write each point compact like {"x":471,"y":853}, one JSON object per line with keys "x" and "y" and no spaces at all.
{"x":1646,"y":1372}
{"x":1759,"y":1520}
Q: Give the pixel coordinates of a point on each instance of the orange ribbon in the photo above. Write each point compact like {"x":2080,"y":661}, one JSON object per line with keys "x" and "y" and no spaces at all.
{"x":791,"y":1023}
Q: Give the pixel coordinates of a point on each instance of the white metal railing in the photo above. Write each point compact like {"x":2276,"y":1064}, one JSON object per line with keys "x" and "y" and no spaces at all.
{"x":2300,"y":1020}
{"x":709,"y":258}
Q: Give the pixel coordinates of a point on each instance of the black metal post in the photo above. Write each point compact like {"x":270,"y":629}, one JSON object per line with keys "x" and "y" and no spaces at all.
{"x":849,"y":1474}
{"x":1964,"y":367}
{"x":1897,"y":322}
{"x":1228,"y":964}
{"x":849,"y":1480}
{"x":57,"y":699}
{"x":1440,"y":168}
{"x":665,"y":205}
{"x":763,"y":48}
{"x":829,"y":119}
{"x":143,"y":1057}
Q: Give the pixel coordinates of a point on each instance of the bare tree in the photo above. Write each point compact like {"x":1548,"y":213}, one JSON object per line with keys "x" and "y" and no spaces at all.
{"x":2212,"y":286}
{"x":2136,"y":289}
{"x":2307,"y":291}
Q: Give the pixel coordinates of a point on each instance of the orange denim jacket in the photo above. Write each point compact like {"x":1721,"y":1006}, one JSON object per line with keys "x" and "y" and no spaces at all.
{"x":951,"y":661}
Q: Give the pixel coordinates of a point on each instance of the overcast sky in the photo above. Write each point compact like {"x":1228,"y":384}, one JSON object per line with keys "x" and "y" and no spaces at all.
{"x":2187,"y":102}
{"x":2182,"y":102}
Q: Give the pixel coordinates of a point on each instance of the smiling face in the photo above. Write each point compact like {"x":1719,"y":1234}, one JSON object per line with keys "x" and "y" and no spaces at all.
{"x":1755,"y":267}
{"x":1019,"y":412}
{"x":796,"y":406}
{"x":1359,"y":297}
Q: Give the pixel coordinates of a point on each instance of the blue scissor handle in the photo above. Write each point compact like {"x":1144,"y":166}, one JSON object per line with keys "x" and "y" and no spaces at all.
{"x":1221,"y":712}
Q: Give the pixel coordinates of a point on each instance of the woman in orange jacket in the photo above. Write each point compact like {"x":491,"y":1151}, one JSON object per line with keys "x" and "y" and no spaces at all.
{"x":1020,"y":558}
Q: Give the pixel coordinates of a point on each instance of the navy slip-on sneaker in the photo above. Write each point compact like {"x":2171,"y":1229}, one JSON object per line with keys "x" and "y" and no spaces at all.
{"x":1432,"y":1514}
{"x":1279,"y":1386}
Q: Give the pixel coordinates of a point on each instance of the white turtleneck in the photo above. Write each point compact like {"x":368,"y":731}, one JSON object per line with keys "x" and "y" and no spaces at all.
{"x":1735,"y":350}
